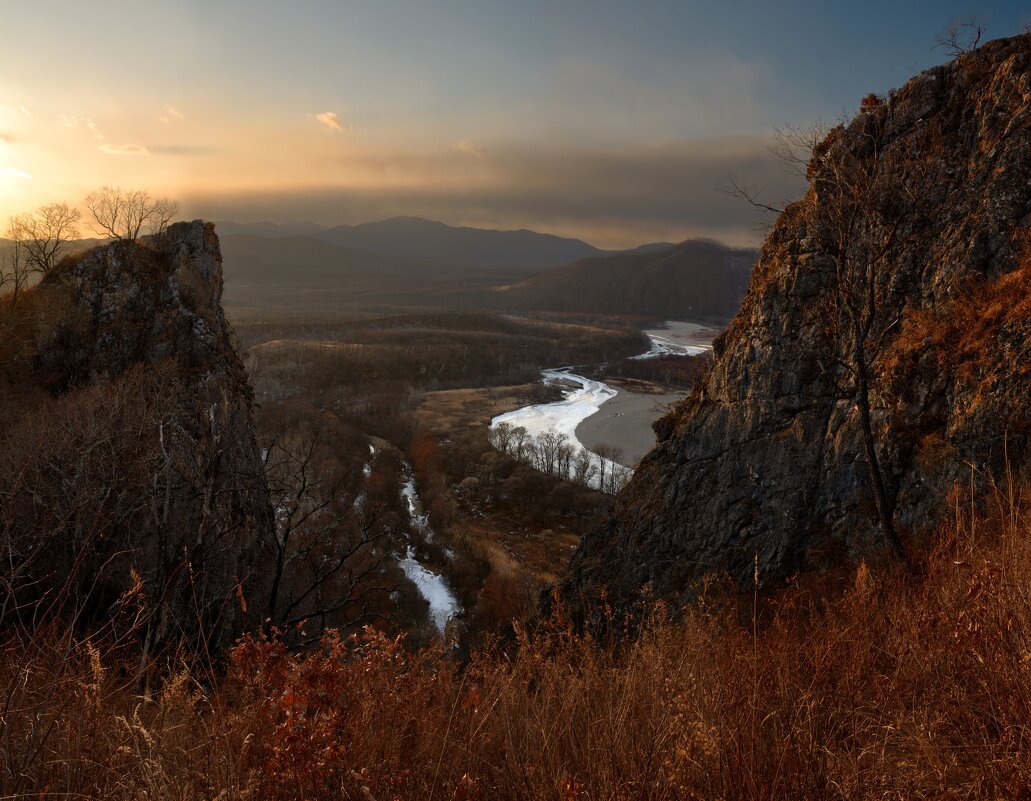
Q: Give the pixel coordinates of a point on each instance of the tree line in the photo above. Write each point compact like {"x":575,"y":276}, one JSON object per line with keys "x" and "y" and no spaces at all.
{"x":554,"y":454}
{"x":38,"y":239}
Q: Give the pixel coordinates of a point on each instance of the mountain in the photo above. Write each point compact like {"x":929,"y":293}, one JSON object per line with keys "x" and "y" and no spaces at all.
{"x":301,"y":274}
{"x":696,"y":279}
{"x":911,"y":241}
{"x":414,"y":238}
{"x":402,"y":261}
{"x":268,"y":230}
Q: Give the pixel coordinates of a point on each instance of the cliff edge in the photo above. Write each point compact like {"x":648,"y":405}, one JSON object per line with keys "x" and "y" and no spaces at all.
{"x":130,"y":473}
{"x":916,"y":219}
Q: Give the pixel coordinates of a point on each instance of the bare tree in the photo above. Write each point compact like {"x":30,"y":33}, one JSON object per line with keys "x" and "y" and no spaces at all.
{"x":327,"y":555}
{"x":501,"y":437}
{"x":612,"y":474}
{"x":583,"y":469}
{"x":794,"y":147}
{"x":961,"y":36}
{"x":123,"y":214}
{"x":14,"y":269}
{"x":862,"y":205}
{"x":44,"y":233}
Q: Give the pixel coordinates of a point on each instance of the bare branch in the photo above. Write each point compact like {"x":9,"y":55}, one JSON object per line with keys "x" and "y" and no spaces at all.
{"x":742,"y":192}
{"x":961,"y":36}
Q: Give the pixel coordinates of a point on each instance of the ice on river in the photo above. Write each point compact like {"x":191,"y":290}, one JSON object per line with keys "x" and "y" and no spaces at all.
{"x":582,"y":398}
{"x":679,"y":339}
{"x":443,"y":603}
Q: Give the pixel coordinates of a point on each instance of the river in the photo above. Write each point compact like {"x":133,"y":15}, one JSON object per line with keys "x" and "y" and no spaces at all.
{"x":583,"y":397}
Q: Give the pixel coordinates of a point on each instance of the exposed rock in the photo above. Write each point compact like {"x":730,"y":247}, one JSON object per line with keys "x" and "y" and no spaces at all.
{"x":197,"y":535}
{"x":766,"y":459}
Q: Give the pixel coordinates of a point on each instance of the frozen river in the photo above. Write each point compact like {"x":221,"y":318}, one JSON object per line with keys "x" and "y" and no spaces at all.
{"x":583,"y":397}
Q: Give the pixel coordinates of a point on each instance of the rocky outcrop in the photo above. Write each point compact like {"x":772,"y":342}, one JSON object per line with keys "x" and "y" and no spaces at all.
{"x":145,"y":321}
{"x":765,"y":461}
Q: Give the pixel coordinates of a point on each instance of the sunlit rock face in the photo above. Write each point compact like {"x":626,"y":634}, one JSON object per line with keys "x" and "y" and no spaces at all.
{"x":764,"y":464}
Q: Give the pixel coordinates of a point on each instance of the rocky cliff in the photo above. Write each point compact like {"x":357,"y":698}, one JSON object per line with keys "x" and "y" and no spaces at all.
{"x":907,"y":257}
{"x":141,"y":457}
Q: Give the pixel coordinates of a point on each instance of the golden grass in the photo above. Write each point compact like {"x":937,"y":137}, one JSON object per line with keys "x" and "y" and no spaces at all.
{"x":899,"y":686}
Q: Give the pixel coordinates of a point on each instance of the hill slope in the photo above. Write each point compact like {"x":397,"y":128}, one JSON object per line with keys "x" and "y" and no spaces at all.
{"x":696,"y":279}
{"x":414,"y":238}
{"x":766,"y":461}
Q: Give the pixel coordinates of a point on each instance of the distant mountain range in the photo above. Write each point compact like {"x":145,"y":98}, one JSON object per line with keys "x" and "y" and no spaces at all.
{"x":408,"y":261}
{"x":414,"y":238}
{"x":697,"y":279}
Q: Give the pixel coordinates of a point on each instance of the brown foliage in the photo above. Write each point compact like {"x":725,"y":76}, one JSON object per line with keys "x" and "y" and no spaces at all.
{"x":894,"y":686}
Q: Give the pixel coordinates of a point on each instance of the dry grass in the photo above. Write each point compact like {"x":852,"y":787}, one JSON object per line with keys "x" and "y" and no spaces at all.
{"x":980,"y":337}
{"x":898,"y":687}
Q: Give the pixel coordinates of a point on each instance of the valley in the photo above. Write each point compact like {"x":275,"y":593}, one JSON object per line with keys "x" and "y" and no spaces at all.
{"x":409,"y":413}
{"x":481,"y":526}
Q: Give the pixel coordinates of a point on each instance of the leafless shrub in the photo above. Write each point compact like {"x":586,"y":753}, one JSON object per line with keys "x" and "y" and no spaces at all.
{"x":961,"y":36}
{"x":123,"y":214}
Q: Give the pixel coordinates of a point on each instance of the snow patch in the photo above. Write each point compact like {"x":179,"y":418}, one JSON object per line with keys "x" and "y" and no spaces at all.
{"x":579,"y":402}
{"x":443,"y":603}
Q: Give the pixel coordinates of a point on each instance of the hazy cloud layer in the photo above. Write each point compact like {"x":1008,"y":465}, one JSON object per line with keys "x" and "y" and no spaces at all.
{"x":124,"y":150}
{"x":612,"y":198}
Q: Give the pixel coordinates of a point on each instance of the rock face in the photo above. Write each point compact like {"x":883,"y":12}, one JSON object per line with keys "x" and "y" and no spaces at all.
{"x":198,"y":521}
{"x":766,"y":459}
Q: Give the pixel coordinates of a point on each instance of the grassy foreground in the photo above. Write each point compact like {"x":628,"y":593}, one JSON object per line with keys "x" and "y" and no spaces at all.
{"x":872,"y":685}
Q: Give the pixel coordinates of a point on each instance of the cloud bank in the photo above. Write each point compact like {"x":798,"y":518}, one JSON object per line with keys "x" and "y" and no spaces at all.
{"x":613,"y":198}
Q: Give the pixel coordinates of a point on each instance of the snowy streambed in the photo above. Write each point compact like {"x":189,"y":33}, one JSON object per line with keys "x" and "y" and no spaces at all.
{"x":432,"y":586}
{"x":583,"y":397}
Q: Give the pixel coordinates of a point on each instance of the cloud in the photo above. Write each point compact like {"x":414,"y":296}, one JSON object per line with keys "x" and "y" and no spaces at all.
{"x":123,"y":150}
{"x":14,"y":172}
{"x":171,"y":114}
{"x":181,"y":150}
{"x":470,"y":148}
{"x":614,"y":197}
{"x":82,"y":123}
{"x":330,"y":120}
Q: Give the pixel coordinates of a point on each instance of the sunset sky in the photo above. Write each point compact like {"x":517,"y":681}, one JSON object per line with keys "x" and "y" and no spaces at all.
{"x":614,"y":122}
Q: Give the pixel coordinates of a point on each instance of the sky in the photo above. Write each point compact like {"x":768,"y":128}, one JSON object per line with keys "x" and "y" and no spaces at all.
{"x":615,"y":122}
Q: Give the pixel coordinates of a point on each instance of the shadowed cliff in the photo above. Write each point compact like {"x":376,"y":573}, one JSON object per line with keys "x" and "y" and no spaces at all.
{"x":926,"y":194}
{"x":130,"y":476}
